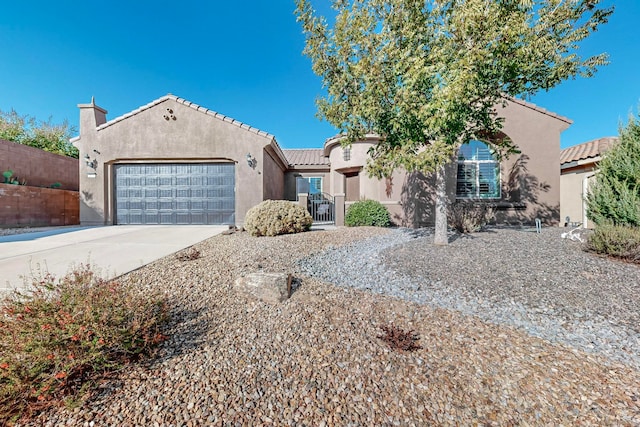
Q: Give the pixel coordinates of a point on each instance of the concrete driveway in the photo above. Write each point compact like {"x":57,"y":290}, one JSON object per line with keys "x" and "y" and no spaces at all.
{"x":114,"y":250}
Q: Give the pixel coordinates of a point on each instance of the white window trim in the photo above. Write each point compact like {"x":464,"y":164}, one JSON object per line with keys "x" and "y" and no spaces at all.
{"x":476,"y":164}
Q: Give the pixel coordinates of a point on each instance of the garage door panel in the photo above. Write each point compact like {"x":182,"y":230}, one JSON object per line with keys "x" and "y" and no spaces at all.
{"x":175,"y":194}
{"x":183,"y":218}
{"x":197,"y":205}
{"x":151,"y":193}
{"x":197,"y":180}
{"x":136,"y":217}
{"x":165,"y":204}
{"x":151,"y":217}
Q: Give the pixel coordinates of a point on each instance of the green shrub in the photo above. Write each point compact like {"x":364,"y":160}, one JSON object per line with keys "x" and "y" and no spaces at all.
{"x":56,"y":340}
{"x":275,"y":217}
{"x":469,"y":217}
{"x":614,"y":197}
{"x":367,"y":212}
{"x":617,"y":241}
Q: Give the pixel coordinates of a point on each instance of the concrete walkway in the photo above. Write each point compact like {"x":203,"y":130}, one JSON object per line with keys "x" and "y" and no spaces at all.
{"x":114,"y":250}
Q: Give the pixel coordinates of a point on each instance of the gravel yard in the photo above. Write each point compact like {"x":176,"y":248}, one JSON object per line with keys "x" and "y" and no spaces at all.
{"x":516,"y":329}
{"x":22,"y":230}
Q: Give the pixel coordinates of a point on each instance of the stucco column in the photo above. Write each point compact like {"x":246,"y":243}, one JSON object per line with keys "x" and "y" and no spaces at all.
{"x":303,"y":199}
{"x":338,"y":203}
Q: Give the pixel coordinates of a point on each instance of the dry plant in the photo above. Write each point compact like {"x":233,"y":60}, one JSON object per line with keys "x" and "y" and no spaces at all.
{"x":59,"y":338}
{"x":190,"y":255}
{"x":399,"y":339}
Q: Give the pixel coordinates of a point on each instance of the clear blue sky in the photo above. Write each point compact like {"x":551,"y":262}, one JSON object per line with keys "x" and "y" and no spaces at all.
{"x":240,"y":58}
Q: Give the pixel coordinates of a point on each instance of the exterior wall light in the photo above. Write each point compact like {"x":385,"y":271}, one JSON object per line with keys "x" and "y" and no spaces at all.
{"x":251,"y":161}
{"x":93,"y":164}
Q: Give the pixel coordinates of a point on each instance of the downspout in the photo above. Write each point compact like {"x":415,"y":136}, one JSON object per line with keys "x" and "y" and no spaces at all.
{"x":585,"y":189}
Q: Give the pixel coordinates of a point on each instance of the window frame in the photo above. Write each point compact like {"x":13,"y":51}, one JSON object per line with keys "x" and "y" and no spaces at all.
{"x":346,"y":154}
{"x":317,"y":187}
{"x":475,"y":164}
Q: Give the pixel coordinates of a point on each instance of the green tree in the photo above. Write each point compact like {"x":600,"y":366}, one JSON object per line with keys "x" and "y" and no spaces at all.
{"x":614,"y":197}
{"x":45,"y":135}
{"x":427,"y":75}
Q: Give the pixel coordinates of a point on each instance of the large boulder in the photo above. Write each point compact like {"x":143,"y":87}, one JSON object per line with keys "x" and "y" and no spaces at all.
{"x":272,"y":288}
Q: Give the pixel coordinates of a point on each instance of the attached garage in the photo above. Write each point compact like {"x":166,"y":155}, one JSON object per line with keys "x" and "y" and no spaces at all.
{"x":182,"y":193}
{"x":173,"y":162}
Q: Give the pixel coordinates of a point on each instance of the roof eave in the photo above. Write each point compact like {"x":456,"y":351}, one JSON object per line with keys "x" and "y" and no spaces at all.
{"x":534,"y":107}
{"x":190,"y":104}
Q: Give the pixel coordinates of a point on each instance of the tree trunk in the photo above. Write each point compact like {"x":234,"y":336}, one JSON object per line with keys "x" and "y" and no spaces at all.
{"x":440,"y":237}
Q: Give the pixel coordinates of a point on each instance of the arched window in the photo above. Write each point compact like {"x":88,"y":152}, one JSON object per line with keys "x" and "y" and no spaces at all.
{"x":478,"y":172}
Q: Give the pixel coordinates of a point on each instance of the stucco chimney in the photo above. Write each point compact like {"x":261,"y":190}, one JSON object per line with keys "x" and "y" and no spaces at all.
{"x":91,"y":116}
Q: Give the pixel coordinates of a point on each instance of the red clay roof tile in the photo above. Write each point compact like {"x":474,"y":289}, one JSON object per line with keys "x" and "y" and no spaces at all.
{"x":586,"y":150}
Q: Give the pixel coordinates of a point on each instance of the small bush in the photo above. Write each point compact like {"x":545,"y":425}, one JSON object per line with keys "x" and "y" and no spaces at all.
{"x":469,"y":217}
{"x":367,"y":212}
{"x":399,"y":339}
{"x":617,"y":241}
{"x":275,"y":217}
{"x":190,"y":255}
{"x":57,"y":339}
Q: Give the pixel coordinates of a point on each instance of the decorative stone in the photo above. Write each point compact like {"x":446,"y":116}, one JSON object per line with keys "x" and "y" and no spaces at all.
{"x":272,"y":288}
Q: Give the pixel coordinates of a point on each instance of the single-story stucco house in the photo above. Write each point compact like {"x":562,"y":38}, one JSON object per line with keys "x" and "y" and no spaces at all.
{"x":578,"y":166}
{"x":174,"y":162}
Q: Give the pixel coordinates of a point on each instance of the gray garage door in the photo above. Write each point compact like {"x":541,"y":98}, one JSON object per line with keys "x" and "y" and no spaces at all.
{"x":175,"y":193}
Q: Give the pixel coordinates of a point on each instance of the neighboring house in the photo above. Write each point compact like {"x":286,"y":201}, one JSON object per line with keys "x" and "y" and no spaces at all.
{"x":172,"y":161}
{"x":578,"y":165}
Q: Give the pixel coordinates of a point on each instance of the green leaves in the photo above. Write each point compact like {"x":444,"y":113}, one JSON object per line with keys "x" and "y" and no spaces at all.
{"x":427,"y":75}
{"x":614,"y":198}
{"x":44,"y":135}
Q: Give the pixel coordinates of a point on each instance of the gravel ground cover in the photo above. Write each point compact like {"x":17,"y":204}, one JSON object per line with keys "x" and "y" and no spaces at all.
{"x":316,"y":359}
{"x":22,"y":230}
{"x":541,"y":283}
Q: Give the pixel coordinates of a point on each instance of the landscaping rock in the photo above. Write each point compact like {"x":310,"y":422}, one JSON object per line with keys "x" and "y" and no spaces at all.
{"x":476,"y":305}
{"x":272,"y":288}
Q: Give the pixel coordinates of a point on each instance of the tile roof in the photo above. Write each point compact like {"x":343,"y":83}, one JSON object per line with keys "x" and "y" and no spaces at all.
{"x":586,"y":150}
{"x":188,"y":104}
{"x":306,"y":157}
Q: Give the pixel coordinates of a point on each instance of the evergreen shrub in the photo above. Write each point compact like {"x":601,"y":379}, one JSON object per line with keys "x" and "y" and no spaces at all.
{"x":614,"y":197}
{"x":367,"y":212}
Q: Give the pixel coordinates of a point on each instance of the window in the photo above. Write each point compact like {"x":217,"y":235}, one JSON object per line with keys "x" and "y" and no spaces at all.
{"x":311,"y":185}
{"x":478,"y":172}
{"x":346,"y":153}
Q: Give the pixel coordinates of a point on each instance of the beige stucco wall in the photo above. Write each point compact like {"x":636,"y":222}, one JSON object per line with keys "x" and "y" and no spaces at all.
{"x":273,"y":181}
{"x":146,"y":136}
{"x":530,"y":180}
{"x":387,"y":193}
{"x":533,"y":176}
{"x":572,"y":193}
